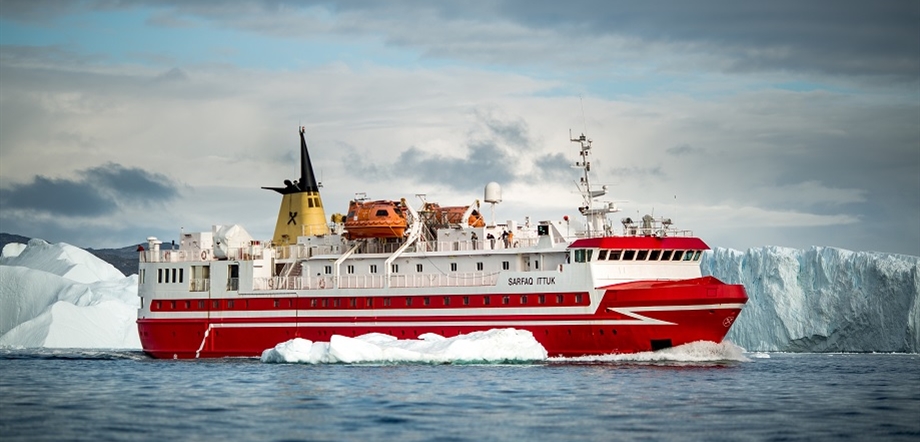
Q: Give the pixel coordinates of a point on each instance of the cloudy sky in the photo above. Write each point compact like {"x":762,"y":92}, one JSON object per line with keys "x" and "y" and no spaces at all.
{"x":782,"y":123}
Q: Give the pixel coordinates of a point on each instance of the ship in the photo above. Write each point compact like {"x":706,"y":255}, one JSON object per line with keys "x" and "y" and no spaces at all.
{"x":405,"y":270}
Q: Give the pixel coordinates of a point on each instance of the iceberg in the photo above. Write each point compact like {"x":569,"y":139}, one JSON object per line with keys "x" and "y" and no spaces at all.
{"x":822,"y":299}
{"x":60,"y":296}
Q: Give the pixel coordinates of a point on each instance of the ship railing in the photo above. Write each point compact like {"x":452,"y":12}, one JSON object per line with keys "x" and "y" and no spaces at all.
{"x":180,"y":255}
{"x":473,"y":279}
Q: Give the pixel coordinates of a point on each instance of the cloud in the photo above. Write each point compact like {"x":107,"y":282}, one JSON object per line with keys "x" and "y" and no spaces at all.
{"x":99,"y":191}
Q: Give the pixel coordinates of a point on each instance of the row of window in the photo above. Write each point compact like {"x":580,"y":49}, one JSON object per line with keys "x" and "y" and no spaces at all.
{"x":419,"y":268}
{"x":586,"y":255}
{"x":568,"y":299}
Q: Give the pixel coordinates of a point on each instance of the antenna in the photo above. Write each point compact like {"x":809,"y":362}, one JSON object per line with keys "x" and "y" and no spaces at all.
{"x":584,"y":120}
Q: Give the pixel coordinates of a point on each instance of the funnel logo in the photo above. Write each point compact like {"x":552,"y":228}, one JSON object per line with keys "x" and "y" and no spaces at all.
{"x":293,"y":219}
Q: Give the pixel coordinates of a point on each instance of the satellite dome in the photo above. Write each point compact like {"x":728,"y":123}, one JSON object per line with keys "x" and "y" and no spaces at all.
{"x":493,"y":193}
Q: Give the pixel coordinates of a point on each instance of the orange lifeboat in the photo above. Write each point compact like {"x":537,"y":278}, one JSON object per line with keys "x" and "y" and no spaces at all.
{"x":454,"y":215}
{"x":376,"y":219}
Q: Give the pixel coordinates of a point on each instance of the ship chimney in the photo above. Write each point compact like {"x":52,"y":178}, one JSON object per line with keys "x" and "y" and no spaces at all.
{"x":301,"y":212}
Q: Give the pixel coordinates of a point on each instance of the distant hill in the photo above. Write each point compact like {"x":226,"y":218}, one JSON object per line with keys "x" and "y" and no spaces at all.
{"x":124,"y":259}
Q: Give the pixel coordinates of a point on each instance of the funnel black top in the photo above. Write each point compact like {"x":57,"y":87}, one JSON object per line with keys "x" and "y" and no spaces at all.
{"x":307,"y":181}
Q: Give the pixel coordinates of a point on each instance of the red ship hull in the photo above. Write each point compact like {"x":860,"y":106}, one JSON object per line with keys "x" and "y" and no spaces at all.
{"x":632,"y":317}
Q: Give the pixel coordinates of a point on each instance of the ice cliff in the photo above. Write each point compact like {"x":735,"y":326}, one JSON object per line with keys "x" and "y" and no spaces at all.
{"x":822,"y":299}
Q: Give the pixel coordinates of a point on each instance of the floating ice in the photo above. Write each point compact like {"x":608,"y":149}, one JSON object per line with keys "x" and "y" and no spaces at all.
{"x":694,"y":352}
{"x":492,"y":346}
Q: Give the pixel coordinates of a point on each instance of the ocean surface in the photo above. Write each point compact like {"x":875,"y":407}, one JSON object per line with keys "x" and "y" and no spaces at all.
{"x":98,"y":395}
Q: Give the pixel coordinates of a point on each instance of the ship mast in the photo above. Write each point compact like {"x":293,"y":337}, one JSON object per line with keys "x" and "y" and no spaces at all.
{"x":596,"y":218}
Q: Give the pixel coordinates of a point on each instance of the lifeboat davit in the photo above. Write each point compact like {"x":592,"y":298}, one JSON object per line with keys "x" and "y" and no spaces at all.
{"x":376,"y":219}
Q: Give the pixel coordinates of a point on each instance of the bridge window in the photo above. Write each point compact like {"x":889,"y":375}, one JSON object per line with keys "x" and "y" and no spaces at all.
{"x":580,"y":255}
{"x":602,"y":255}
{"x":615,"y":255}
{"x":641,"y":255}
{"x":677,"y":255}
{"x":654,"y":255}
{"x":629,"y":255}
{"x":666,"y":255}
{"x":382,"y":212}
{"x":688,"y":255}
{"x":696,"y":256}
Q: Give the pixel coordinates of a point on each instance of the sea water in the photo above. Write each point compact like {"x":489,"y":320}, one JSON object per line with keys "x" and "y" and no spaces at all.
{"x":91,"y":395}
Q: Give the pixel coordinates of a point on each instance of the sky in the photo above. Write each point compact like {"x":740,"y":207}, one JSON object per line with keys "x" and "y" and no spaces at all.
{"x":783,"y":123}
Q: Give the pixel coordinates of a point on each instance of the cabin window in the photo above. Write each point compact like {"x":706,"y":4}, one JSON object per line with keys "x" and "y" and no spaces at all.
{"x":641,"y":255}
{"x":327,"y":270}
{"x":382,"y":212}
{"x":325,"y":303}
{"x":602,"y":255}
{"x":230,"y":304}
{"x":369,"y":302}
{"x":159,"y":305}
{"x":696,"y":256}
{"x":536,"y":264}
{"x":523,"y":299}
{"x":479,"y":266}
{"x":350,"y":269}
{"x":559,"y":299}
{"x":386,"y":302}
{"x":313,"y":302}
{"x":418,"y":268}
{"x":578,"y":298}
{"x":506,"y":299}
{"x":200,"y":304}
{"x":590,"y":254}
{"x":394,"y":268}
{"x":541,"y":299}
{"x":466,"y":300}
{"x":677,"y":255}
{"x":172,"y":305}
{"x":447,"y":300}
{"x":408,"y":301}
{"x":174,"y":275}
{"x":373,"y":268}
{"x":486,"y":300}
{"x":335,"y":302}
{"x":453,"y":267}
{"x":159,"y":275}
{"x":506,"y":265}
{"x":215,"y":305}
{"x":629,"y":255}
{"x":653,"y":256}
{"x":615,"y":255}
{"x":188,"y":305}
{"x":354,"y":302}
{"x":666,"y":255}
{"x":426,"y":300}
{"x":277,"y":303}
